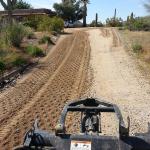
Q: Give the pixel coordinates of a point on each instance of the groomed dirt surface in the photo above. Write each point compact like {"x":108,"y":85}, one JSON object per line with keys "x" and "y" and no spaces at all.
{"x":43,"y":92}
{"x":119,"y":80}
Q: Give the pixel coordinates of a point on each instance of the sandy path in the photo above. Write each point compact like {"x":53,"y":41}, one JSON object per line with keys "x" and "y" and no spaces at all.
{"x":118,"y":80}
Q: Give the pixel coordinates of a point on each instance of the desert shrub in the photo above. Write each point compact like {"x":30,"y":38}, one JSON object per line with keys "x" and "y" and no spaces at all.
{"x":93,"y":24}
{"x":137,"y":48}
{"x":34,"y":51}
{"x":30,"y":33}
{"x":2,"y":67}
{"x":117,"y":22}
{"x":57,"y":24}
{"x":138,"y":24}
{"x":45,"y":39}
{"x":19,"y":61}
{"x":13,"y":34}
{"x":45,"y":24}
{"x":32,"y":21}
{"x":17,"y":33}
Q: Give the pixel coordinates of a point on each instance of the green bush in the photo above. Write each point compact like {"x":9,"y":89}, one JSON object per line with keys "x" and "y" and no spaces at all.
{"x":57,"y":24}
{"x":46,"y":39}
{"x":30,"y":33}
{"x":19,"y":61}
{"x":117,"y":22}
{"x":32,"y":21}
{"x":14,"y":34}
{"x":139,"y":24}
{"x":45,"y":24}
{"x":137,"y":48}
{"x":93,"y":24}
{"x":34,"y":51}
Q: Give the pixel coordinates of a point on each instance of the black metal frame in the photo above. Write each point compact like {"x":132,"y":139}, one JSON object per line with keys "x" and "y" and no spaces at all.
{"x":43,"y":140}
{"x":95,"y":104}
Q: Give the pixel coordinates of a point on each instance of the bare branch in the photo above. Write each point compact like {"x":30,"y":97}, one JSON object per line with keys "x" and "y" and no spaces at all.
{"x":14,"y":2}
{"x":4,"y":4}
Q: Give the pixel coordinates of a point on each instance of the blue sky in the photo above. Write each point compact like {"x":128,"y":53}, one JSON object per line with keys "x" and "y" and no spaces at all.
{"x":104,"y":8}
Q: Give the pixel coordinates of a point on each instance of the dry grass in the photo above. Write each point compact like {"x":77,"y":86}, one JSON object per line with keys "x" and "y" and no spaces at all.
{"x":139,"y":37}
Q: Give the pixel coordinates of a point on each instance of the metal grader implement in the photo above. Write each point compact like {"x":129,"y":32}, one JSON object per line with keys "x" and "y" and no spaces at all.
{"x":89,"y":137}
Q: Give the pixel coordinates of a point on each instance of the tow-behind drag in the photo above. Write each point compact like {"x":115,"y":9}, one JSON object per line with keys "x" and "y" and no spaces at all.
{"x":89,"y":137}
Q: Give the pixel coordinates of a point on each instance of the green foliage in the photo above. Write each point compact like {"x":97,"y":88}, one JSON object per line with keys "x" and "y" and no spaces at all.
{"x":34,"y":51}
{"x":93,"y":24}
{"x":45,"y":39}
{"x":57,"y":24}
{"x":22,"y":5}
{"x":114,"y":22}
{"x":44,"y":23}
{"x":30,"y":33}
{"x":17,"y":33}
{"x":138,"y":24}
{"x":137,"y":48}
{"x":69,"y":11}
{"x":32,"y":21}
{"x":19,"y":61}
{"x":2,"y":66}
{"x":12,"y":35}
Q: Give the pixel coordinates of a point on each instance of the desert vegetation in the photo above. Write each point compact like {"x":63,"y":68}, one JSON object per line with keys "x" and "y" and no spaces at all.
{"x":13,"y":34}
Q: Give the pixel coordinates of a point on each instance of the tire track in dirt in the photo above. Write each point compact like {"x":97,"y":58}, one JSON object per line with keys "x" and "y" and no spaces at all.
{"x":118,"y":80}
{"x":61,"y":85}
{"x":10,"y":102}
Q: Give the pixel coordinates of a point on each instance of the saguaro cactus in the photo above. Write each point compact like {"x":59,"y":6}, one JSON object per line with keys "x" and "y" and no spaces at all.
{"x":96,"y":19}
{"x":9,"y":6}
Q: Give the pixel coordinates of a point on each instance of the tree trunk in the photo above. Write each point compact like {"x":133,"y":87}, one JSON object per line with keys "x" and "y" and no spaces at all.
{"x":96,"y":19}
{"x":10,"y":17}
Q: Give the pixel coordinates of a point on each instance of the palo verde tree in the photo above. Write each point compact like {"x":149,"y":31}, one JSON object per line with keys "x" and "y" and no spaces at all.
{"x":22,"y":5}
{"x":68,"y":10}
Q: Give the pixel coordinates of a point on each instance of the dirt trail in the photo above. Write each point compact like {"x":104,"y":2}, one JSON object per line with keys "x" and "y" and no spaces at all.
{"x":62,"y":76}
{"x":44,"y":92}
{"x":118,"y":80}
